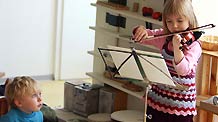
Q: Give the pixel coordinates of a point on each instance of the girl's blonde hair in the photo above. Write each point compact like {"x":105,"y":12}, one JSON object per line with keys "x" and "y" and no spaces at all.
{"x":179,"y":8}
{"x":19,"y":87}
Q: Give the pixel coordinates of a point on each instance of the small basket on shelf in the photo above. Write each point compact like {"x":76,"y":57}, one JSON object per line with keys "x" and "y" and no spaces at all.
{"x":209,"y":42}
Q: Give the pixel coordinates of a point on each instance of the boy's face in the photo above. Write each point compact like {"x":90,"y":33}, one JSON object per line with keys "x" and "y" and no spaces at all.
{"x":177,"y":23}
{"x":30,"y":103}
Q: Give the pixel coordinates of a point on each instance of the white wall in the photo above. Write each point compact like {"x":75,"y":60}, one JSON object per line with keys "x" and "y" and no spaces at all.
{"x":28,"y":44}
{"x":206,"y":14}
{"x":77,"y":38}
{"x":27,"y":37}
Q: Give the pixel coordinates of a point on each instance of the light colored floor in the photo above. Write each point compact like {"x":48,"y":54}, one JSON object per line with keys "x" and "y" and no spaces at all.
{"x":53,"y":96}
{"x":53,"y":93}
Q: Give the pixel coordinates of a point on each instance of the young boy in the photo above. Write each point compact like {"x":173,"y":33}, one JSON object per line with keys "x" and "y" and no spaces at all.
{"x":24,"y":97}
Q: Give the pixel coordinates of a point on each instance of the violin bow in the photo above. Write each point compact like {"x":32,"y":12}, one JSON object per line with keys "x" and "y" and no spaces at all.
{"x":180,"y":32}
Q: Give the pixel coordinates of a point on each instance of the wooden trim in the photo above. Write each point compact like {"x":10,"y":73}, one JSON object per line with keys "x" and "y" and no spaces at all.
{"x":58,"y":43}
{"x":206,"y":74}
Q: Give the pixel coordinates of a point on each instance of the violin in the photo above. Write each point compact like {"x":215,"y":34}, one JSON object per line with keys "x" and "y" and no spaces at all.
{"x":188,"y":38}
{"x":188,"y":35}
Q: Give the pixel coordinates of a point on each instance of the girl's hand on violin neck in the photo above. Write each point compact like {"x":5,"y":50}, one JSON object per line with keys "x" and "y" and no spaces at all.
{"x":178,"y":54}
{"x":140,"y":33}
{"x":176,"y":41}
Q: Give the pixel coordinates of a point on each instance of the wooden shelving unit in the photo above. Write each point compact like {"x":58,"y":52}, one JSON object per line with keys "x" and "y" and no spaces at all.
{"x":106,"y":34}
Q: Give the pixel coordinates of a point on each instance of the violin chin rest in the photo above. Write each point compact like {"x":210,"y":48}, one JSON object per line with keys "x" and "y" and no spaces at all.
{"x":197,"y":34}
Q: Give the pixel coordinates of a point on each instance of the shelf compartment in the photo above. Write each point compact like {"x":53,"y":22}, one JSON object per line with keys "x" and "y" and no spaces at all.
{"x":130,"y":14}
{"x":115,"y":84}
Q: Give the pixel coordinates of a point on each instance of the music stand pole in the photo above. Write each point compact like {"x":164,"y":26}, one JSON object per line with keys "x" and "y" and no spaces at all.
{"x":145,"y":80}
{"x":147,"y":88}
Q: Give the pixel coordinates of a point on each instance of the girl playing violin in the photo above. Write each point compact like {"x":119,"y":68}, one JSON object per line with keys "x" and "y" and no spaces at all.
{"x":168,"y":104}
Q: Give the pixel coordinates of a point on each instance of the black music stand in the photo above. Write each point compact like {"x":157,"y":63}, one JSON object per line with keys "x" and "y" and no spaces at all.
{"x":141,"y":65}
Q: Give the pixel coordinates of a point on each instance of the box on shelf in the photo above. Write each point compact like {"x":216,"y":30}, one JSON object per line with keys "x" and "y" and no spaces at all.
{"x":86,"y":99}
{"x":69,"y":88}
{"x":81,"y":97}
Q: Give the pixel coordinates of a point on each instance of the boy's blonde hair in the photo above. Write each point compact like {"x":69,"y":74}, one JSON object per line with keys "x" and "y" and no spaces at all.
{"x":19,"y":87}
{"x":180,"y":8}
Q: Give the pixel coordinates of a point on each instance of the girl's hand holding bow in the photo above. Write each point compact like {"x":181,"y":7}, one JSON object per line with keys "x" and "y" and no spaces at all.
{"x":139,"y":33}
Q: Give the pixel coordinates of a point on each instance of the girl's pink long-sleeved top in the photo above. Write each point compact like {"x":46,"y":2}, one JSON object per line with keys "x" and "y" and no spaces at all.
{"x":170,"y":100}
